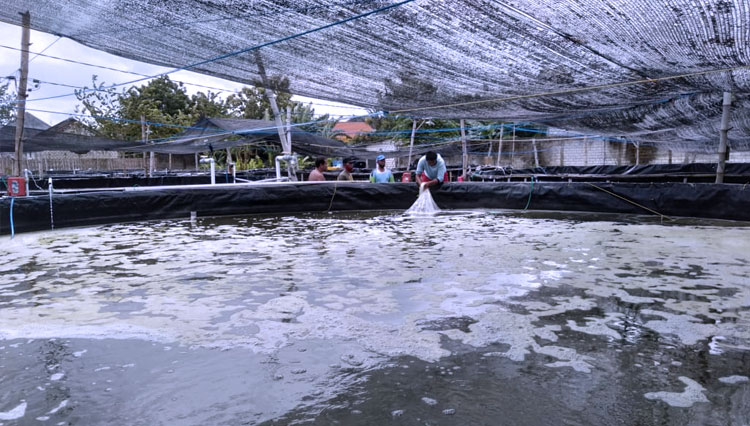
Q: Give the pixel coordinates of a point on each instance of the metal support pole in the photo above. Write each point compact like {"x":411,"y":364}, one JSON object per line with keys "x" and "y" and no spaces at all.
{"x":21,"y":95}
{"x":723,"y":135}
{"x":465,"y":155}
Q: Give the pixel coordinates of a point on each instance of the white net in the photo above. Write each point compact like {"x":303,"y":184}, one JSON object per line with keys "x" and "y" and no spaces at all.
{"x":424,"y":205}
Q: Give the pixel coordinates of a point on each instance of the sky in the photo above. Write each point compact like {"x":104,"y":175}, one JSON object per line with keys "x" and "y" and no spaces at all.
{"x":55,"y":75}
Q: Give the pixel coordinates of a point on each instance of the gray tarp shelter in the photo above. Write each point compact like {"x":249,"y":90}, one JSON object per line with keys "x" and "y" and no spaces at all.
{"x":39,"y":136}
{"x":220,"y":133}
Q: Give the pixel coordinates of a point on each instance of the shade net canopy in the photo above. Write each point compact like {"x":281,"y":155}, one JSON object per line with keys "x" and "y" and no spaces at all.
{"x":649,"y":70}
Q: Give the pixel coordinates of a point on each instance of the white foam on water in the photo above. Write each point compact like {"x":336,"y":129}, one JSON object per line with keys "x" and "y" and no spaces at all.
{"x":15,"y":413}
{"x":57,"y":376}
{"x":693,"y":393}
{"x":59,"y":407}
{"x":424,"y":205}
{"x":731,"y":380}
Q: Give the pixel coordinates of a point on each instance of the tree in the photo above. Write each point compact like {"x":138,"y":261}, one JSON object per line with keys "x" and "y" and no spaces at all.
{"x":7,"y":105}
{"x":161,"y":102}
{"x":252,"y":102}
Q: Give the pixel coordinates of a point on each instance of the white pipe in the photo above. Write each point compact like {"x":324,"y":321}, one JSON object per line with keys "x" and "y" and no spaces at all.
{"x":26,"y":173}
{"x":292,"y":158}
{"x":211,"y":161}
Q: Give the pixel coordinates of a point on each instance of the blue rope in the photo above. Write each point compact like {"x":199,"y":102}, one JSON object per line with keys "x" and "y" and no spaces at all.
{"x":12,"y":229}
{"x":530,"y":192}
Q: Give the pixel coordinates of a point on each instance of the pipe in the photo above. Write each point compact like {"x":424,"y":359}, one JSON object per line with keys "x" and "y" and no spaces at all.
{"x":51,"y":213}
{"x":211,"y":161}
{"x":291,"y":158}
{"x":26,"y":173}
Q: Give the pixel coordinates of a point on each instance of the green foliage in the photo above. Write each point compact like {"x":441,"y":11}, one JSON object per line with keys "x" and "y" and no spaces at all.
{"x":117,"y":115}
{"x":251,"y":102}
{"x":7,"y":107}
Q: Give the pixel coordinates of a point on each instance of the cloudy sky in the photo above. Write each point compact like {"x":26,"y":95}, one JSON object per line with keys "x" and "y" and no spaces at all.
{"x":56,"y":76}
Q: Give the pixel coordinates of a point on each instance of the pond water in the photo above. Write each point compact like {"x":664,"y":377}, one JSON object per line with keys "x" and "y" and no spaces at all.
{"x":480,"y":317}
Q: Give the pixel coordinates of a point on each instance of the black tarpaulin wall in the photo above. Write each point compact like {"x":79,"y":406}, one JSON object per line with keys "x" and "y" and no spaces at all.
{"x":89,"y":208}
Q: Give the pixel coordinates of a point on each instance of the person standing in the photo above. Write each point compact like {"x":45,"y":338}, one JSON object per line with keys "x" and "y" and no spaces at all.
{"x":431,"y":170}
{"x":316,"y":175}
{"x":346,"y":174}
{"x":381,"y":174}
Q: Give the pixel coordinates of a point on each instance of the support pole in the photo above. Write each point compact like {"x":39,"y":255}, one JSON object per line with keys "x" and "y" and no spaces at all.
{"x":411,"y":142}
{"x":637,"y":153}
{"x":197,"y":167}
{"x":271,"y":95}
{"x":536,"y":153}
{"x":500,"y":146}
{"x":585,"y":152}
{"x":513,"y":145}
{"x":465,"y":154}
{"x":723,"y":135}
{"x":21,"y":95}
{"x":144,"y":139}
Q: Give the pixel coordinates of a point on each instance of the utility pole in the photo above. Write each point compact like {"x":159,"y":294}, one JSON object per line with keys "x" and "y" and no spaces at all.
{"x":21,"y":95}
{"x":723,"y":136}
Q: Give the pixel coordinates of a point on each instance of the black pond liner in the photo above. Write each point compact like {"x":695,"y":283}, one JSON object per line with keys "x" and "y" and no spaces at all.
{"x":84,"y":208}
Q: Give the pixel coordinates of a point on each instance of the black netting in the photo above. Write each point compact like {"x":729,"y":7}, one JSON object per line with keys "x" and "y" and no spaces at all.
{"x":427,"y":53}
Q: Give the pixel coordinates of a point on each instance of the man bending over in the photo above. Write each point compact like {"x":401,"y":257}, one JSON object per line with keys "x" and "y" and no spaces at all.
{"x":431,"y":170}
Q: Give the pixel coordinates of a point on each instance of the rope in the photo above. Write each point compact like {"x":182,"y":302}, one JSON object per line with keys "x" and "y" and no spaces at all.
{"x":530,"y":192}
{"x":631,"y":202}
{"x":335,"y":184}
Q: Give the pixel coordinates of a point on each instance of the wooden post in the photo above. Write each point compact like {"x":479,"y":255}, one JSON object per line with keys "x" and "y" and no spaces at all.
{"x":637,"y":153}
{"x":585,"y":151}
{"x":723,"y":135}
{"x":465,"y":155}
{"x":411,"y":142}
{"x":513,"y":146}
{"x":21,"y":95}
{"x":562,"y":153}
{"x":144,"y":138}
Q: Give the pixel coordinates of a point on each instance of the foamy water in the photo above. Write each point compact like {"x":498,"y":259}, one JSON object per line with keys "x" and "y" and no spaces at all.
{"x":308,"y":307}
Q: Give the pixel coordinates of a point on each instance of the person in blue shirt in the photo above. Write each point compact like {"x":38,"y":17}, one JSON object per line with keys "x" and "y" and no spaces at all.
{"x":381,"y":174}
{"x":431,"y":170}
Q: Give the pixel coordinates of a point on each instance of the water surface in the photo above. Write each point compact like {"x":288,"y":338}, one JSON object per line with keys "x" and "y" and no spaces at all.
{"x":482,"y":317}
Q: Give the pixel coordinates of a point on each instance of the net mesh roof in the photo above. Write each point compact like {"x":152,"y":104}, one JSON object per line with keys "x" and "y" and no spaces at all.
{"x":488,"y":59}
